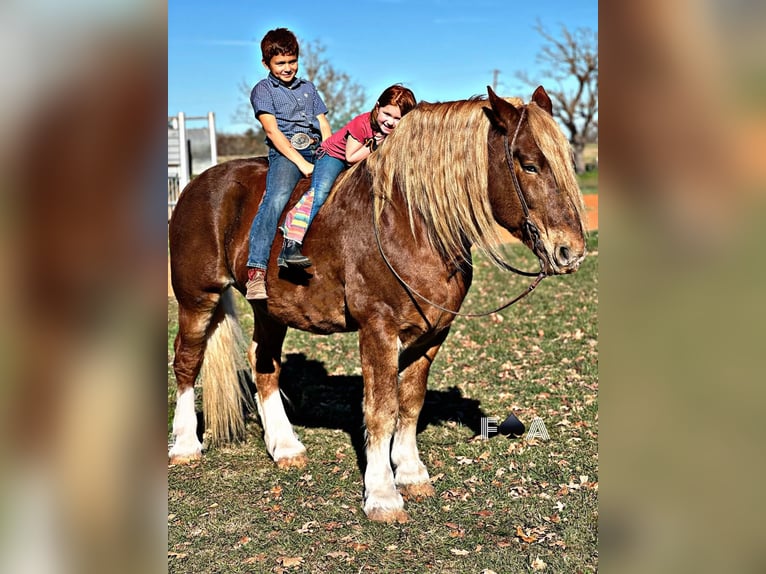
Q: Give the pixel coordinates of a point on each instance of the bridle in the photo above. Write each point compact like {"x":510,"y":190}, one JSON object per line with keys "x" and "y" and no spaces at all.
{"x":529,"y":229}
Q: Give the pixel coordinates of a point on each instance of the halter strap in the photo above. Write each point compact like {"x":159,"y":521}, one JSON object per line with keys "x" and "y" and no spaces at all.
{"x":529,"y":227}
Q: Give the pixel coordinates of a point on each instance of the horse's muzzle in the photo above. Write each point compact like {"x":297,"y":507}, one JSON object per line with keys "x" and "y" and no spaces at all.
{"x":563,"y":258}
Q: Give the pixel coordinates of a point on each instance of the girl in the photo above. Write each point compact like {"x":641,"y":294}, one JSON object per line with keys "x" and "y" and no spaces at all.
{"x":349,"y":145}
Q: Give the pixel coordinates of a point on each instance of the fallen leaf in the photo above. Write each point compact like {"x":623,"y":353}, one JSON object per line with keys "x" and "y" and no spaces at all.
{"x":308,"y":526}
{"x":484,"y":513}
{"x":253,"y":559}
{"x":337,"y":554}
{"x":538,"y":564}
{"x":526,"y":538}
{"x":242,"y":541}
{"x":459,"y":552}
{"x":290,"y":561}
{"x":555,"y":518}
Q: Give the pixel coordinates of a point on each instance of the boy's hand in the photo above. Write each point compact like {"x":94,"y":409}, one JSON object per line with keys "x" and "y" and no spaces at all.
{"x":307,"y":169}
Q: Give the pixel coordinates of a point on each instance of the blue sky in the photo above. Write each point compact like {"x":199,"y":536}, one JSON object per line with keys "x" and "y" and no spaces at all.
{"x":441,"y":49}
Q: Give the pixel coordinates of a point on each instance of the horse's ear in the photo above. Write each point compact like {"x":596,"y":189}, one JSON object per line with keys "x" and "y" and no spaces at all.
{"x":540,"y":97}
{"x":503,"y":115}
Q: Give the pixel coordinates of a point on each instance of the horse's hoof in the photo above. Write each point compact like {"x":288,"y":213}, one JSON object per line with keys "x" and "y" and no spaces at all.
{"x":388,"y":516}
{"x":297,"y":461}
{"x":184,"y":459}
{"x":417,"y":491}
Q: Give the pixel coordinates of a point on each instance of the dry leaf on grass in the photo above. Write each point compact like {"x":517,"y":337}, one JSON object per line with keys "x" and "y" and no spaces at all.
{"x":290,"y":561}
{"x":260,"y":557}
{"x":526,"y":538}
{"x":459,"y":552}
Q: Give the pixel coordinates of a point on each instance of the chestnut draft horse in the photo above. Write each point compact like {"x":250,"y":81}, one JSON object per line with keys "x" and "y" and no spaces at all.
{"x":444,"y":179}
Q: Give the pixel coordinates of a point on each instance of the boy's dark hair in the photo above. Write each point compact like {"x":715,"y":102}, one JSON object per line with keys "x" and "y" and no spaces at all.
{"x":278,"y":42}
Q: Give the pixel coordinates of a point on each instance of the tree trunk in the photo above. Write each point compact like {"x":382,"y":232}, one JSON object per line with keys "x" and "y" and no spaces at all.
{"x":579,"y":157}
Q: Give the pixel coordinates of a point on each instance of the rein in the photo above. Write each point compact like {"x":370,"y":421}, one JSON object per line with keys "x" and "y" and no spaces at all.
{"x":530,"y":229}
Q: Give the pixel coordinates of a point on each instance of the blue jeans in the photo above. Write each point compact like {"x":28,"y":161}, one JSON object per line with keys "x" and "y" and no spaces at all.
{"x":280,"y":182}
{"x":326,"y":171}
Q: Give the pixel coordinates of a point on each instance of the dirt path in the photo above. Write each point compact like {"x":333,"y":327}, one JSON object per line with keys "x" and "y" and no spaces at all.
{"x":591,"y":206}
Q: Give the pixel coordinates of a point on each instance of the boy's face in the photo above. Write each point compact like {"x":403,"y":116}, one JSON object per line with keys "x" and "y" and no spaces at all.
{"x":283,"y":67}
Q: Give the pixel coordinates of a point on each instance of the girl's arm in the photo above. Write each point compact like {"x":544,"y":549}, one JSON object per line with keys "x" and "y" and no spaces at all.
{"x":356,"y":151}
{"x":324,"y":127}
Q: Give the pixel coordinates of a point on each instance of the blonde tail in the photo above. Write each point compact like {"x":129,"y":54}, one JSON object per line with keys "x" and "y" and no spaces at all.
{"x":224,"y":392}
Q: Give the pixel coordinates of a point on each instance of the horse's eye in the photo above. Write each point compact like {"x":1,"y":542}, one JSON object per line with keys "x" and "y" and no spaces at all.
{"x":529,"y":168}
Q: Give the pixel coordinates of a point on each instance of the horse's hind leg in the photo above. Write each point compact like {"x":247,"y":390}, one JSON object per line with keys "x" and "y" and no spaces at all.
{"x":265,"y":356}
{"x":193,"y":323}
{"x":411,"y":475}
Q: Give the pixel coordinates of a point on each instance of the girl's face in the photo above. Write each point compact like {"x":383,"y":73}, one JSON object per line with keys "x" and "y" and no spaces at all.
{"x":283,"y":67}
{"x":388,"y":117}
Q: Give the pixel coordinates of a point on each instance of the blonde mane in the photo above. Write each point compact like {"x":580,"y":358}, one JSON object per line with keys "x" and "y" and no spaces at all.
{"x":438,"y":159}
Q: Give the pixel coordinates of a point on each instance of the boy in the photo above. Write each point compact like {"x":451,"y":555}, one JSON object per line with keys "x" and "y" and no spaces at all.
{"x":293,"y":117}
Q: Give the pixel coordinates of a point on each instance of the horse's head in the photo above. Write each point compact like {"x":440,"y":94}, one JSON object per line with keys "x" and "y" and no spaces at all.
{"x":532,"y":187}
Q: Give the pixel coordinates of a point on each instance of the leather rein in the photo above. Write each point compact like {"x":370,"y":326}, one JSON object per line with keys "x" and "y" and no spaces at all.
{"x":529,"y":228}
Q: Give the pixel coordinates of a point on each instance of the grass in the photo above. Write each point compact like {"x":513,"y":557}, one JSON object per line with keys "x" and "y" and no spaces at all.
{"x":506,"y":505}
{"x":588,"y":182}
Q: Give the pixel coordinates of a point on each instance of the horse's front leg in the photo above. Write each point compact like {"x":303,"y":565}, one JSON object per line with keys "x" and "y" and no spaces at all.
{"x":265,"y":356}
{"x":379,"y":356}
{"x":411,"y":475}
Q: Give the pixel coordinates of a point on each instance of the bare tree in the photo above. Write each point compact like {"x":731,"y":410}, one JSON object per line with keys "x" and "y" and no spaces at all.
{"x":572,"y":62}
{"x":343,"y":97}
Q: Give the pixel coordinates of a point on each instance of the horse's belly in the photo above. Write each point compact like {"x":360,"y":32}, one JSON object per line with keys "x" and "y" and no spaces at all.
{"x":312,"y":308}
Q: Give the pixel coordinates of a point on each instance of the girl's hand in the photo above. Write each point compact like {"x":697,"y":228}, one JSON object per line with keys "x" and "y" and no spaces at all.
{"x":373,"y":142}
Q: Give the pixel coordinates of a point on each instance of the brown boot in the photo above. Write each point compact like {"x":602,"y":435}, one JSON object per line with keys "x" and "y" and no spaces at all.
{"x":256,"y":284}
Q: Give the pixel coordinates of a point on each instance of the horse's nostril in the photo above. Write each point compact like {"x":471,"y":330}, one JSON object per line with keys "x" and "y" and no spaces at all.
{"x":562,"y":255}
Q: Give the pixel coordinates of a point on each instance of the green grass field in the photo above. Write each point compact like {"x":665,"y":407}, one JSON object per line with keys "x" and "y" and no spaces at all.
{"x":588,"y":182}
{"x":502,"y":505}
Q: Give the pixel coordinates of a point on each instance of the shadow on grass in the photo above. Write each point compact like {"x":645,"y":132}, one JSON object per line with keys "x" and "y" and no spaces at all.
{"x":315,"y":399}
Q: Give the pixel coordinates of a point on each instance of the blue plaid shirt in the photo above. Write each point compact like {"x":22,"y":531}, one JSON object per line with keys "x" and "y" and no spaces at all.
{"x":295,"y":107}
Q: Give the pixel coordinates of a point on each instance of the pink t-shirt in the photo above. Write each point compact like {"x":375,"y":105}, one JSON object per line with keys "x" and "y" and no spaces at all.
{"x":359,"y":128}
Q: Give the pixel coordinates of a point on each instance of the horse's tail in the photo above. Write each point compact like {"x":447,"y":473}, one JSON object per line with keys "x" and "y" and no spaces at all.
{"x":224,"y":385}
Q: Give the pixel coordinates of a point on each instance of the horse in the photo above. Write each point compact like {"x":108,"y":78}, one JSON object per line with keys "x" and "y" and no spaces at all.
{"x":391,"y":253}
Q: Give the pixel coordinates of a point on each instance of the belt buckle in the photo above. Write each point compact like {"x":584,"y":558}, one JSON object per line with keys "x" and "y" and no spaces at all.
{"x":300,"y":141}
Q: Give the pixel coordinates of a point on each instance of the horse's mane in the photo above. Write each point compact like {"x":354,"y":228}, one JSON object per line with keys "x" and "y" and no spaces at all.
{"x":438,"y":159}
